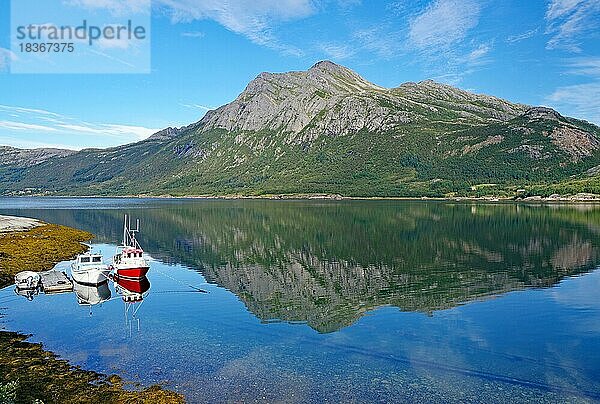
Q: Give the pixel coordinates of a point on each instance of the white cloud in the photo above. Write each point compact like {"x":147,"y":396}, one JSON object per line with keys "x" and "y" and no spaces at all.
{"x":580,"y":101}
{"x":240,"y":15}
{"x":478,"y":55}
{"x":12,"y":125}
{"x":345,"y":4}
{"x":110,"y":57}
{"x":33,"y":122}
{"x":440,"y":35}
{"x":523,"y":36}
{"x":193,"y":34}
{"x":336,"y":51}
{"x":570,"y":20}
{"x":443,"y":23}
{"x":385,"y":44}
{"x":588,"y":66}
{"x":116,"y":7}
{"x":120,"y":131}
{"x":6,"y":56}
{"x":562,"y":8}
{"x":197,"y":106}
{"x":255,"y":19}
{"x":20,"y":110}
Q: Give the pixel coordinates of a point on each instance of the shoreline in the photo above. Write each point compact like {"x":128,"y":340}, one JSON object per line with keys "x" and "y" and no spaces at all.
{"x":555,"y":199}
{"x":27,"y":371}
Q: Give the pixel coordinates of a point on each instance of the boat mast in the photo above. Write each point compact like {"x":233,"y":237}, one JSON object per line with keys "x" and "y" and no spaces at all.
{"x":125,"y":231}
{"x":129,"y":239}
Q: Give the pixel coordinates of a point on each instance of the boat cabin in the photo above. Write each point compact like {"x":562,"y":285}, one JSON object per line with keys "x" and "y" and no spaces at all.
{"x":128,"y":253}
{"x":132,"y":253}
{"x":89,"y":259}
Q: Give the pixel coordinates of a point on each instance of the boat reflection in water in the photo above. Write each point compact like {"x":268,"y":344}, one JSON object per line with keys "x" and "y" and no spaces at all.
{"x":133,"y":292}
{"x":29,"y":294}
{"x":91,"y":295}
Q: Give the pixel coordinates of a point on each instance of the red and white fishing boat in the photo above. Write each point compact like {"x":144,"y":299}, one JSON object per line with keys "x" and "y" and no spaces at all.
{"x":129,"y":260}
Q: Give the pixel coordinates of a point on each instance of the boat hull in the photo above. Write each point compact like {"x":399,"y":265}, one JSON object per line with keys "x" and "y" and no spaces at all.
{"x":92,"y":276}
{"x":132,"y":273}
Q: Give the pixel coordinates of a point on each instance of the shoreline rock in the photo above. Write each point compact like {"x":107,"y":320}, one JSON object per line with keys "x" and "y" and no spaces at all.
{"x":14,"y":223}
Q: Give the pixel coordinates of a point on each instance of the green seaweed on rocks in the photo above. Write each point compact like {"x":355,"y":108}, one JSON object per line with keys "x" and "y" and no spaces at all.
{"x":29,"y":374}
{"x":38,"y":249}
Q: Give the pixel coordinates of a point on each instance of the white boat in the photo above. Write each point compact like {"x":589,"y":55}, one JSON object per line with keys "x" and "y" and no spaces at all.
{"x":27,"y":280}
{"x":89,"y":269}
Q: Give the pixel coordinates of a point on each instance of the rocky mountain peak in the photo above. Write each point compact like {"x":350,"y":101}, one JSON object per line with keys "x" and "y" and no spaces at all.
{"x":329,"y":99}
{"x":323,"y":76}
{"x":326,"y":67}
{"x":165,"y":134}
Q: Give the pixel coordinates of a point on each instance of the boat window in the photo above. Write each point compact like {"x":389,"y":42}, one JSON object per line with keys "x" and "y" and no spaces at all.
{"x":129,"y":255}
{"x":140,"y":255}
{"x":85,"y":259}
{"x":96,"y":259}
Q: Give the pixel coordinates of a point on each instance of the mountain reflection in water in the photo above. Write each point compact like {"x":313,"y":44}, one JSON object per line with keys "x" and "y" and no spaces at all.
{"x":327,"y":263}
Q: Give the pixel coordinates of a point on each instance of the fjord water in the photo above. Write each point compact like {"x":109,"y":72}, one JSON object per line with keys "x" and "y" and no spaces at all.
{"x":313,"y":301}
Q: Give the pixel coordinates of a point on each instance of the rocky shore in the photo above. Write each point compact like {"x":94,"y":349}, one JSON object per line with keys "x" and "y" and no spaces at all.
{"x":29,"y":374}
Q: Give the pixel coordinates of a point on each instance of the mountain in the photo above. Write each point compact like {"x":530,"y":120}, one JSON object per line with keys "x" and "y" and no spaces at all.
{"x":328,"y":130}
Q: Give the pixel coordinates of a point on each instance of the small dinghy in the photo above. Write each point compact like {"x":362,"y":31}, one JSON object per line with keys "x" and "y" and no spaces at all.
{"x":88,"y":269}
{"x":27,"y":280}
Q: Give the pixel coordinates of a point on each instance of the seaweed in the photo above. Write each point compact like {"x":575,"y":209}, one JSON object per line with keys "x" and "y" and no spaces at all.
{"x":38,"y":249}
{"x":29,"y":374}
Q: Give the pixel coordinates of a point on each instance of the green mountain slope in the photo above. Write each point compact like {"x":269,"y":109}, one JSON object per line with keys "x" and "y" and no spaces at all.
{"x":327,"y":130}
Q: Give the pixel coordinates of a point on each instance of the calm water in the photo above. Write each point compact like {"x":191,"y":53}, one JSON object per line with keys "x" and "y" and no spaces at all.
{"x":337,"y":301}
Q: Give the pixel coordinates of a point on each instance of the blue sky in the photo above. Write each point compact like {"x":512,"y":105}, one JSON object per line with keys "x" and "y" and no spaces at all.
{"x":204,"y":52}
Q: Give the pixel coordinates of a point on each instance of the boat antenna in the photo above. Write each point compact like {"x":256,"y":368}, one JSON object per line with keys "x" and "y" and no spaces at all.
{"x":125,"y":231}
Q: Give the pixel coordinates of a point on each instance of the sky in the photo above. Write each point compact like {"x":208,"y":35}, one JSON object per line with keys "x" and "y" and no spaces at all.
{"x":204,"y":53}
